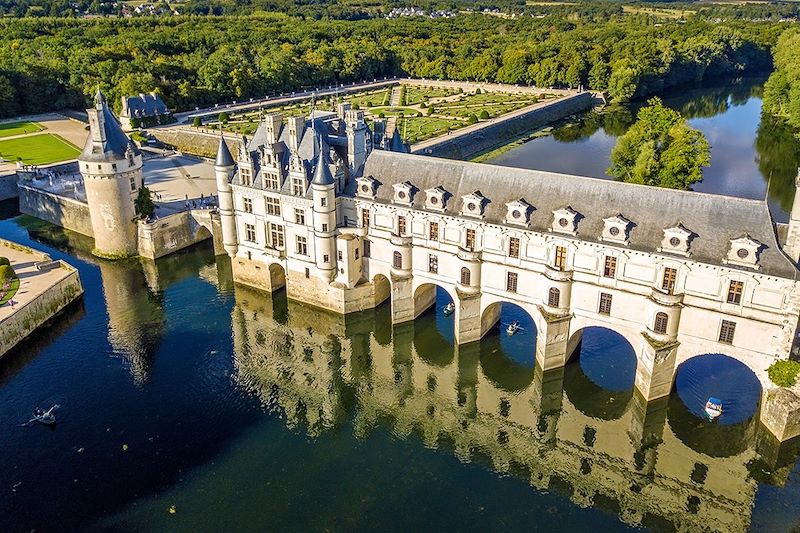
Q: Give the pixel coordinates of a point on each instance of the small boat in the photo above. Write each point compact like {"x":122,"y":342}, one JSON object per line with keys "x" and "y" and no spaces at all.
{"x":41,"y":416}
{"x":513,"y":328}
{"x":713,"y":408}
{"x":449,"y":309}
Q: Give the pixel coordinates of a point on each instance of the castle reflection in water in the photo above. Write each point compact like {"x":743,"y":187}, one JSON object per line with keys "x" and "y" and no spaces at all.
{"x":652,"y":464}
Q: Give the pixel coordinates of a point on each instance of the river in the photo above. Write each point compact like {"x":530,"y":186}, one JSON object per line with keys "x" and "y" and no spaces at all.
{"x":189,"y":403}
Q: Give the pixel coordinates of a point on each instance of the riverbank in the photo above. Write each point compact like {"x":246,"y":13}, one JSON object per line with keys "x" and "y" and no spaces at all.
{"x":42,"y":294}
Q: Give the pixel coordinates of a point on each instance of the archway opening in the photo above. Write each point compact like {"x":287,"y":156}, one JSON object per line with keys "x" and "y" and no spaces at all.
{"x":599,"y":378}
{"x":508,"y":357}
{"x":434,"y":327}
{"x":383,"y":309}
{"x":277,"y":277}
{"x":735,"y":385}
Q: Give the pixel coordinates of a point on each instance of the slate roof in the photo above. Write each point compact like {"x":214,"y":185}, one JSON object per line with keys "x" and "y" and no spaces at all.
{"x":224,"y":157}
{"x":143,"y":105}
{"x":116,"y":145}
{"x":714,"y":219}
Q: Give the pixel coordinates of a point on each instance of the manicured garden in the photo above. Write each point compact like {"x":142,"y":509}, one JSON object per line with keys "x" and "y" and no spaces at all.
{"x":9,"y":129}
{"x":37,"y":149}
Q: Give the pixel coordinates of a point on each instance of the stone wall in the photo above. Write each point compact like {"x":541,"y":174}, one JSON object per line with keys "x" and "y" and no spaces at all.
{"x":172,"y":233}
{"x":500,"y":130}
{"x":58,"y":210}
{"x":27,"y":318}
{"x":8,"y":187}
{"x":200,"y":141}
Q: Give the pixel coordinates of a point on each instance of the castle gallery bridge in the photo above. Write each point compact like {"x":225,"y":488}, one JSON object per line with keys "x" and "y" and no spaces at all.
{"x":677,"y":274}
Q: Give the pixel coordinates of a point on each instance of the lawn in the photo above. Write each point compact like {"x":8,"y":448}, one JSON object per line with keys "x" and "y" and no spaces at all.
{"x":18,"y":128}
{"x":38,"y":149}
{"x":416,"y":94}
{"x":416,"y":129}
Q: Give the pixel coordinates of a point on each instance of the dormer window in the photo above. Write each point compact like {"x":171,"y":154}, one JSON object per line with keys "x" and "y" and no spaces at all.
{"x":404,"y":192}
{"x":677,"y":240}
{"x":473,"y":204}
{"x":616,"y":229}
{"x":744,"y":251}
{"x":519,"y":212}
{"x":565,"y":221}
{"x":436,"y":199}
{"x":366,"y":187}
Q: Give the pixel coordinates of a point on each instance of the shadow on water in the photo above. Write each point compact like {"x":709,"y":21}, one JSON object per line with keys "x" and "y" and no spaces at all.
{"x":725,"y":378}
{"x":599,"y":378}
{"x":509,"y":361}
{"x":434,"y":332}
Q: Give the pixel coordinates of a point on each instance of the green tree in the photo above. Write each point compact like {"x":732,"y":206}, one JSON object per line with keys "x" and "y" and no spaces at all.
{"x":660,"y":149}
{"x":472,"y":119}
{"x":223,"y":118}
{"x":143,"y":203}
{"x":484,"y":115}
{"x":197,"y":122}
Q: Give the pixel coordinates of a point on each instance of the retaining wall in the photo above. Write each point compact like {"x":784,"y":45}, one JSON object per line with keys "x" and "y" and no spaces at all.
{"x":27,"y":317}
{"x":499,"y":130}
{"x":172,"y":233}
{"x":58,"y":210}
{"x":8,"y":187}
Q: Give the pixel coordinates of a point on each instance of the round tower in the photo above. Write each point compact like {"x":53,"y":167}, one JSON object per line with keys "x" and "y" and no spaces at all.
{"x":111,"y":166}
{"x":223,"y":169}
{"x":323,"y":192}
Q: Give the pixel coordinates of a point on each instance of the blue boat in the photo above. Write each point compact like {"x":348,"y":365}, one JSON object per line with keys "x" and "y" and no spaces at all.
{"x":713,"y":408}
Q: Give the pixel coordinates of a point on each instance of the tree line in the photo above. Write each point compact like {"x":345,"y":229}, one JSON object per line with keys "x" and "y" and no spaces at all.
{"x":782,"y":89}
{"x":53,"y":63}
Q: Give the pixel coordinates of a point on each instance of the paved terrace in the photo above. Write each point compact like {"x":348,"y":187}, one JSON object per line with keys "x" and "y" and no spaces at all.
{"x":32,"y":283}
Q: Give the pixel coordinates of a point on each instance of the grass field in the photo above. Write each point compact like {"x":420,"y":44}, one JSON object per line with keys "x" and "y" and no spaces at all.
{"x":38,"y":149}
{"x":18,"y":128}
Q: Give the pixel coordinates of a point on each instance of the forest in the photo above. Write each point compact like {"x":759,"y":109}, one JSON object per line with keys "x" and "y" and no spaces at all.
{"x":53,"y":63}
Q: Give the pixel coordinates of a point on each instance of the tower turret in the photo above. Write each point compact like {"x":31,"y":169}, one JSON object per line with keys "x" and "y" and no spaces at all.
{"x":358,"y":145}
{"x":223,"y":169}
{"x":323,"y":192}
{"x":111,"y":166}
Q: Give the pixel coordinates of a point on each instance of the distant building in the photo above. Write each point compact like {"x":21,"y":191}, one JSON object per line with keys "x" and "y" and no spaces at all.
{"x":144,"y":110}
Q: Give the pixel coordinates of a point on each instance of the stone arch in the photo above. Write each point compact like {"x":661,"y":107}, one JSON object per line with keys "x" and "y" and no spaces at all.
{"x":277,"y":276}
{"x":382,"y":288}
{"x":202,"y":234}
{"x":724,"y":377}
{"x":508,"y":361}
{"x":599,"y":378}
{"x":434,"y":332}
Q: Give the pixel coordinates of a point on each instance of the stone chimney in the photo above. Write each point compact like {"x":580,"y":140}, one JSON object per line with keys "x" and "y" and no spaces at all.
{"x":296,"y":126}
{"x":273,"y":123}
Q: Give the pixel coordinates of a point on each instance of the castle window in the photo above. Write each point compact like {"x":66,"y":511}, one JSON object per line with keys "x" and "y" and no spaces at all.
{"x":735,"y":292}
{"x":273,"y":206}
{"x":605,"y":304}
{"x":249,"y":233}
{"x":272,"y":181}
{"x":401,"y":225}
{"x":324,"y":227}
{"x":660,"y":324}
{"x":433,"y":231}
{"x":367,"y":248}
{"x":247,"y":205}
{"x":553,"y":297}
{"x":133,"y":183}
{"x":433,"y":264}
{"x":326,"y":258}
{"x":560,"y":261}
{"x":610,"y":267}
{"x":397,"y":260}
{"x":299,"y":216}
{"x":246,"y":176}
{"x":356,"y":253}
{"x":301,"y":245}
{"x":276,"y":235}
{"x":365,"y":218}
{"x":298,"y":186}
{"x":513,"y":247}
{"x":466,"y":276}
{"x":323,"y":202}
{"x":668,"y":281}
{"x":470,"y":240}
{"x":339,"y":255}
{"x":726,"y":331}
{"x":511,"y":282}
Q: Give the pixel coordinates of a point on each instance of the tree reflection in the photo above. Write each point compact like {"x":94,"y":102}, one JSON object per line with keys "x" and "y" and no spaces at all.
{"x":778,"y":158}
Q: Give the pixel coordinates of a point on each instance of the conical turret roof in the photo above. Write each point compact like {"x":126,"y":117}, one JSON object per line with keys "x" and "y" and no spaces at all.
{"x":322,"y":174}
{"x":224,"y":157}
{"x":107,"y":141}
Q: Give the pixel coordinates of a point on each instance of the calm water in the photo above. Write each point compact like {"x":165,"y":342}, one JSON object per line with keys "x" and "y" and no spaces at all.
{"x":747,"y":152}
{"x":241,"y":411}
